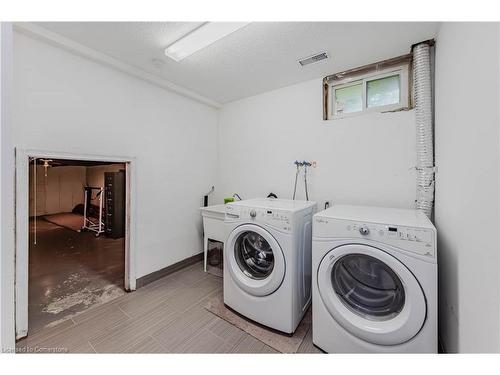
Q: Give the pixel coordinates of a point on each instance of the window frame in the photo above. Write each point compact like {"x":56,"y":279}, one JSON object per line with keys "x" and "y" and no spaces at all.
{"x":404,"y":94}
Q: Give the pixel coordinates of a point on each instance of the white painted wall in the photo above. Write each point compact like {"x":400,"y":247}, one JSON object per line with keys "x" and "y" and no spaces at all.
{"x":467,"y":185}
{"x":7,"y":335}
{"x":67,"y":103}
{"x":368,"y":159}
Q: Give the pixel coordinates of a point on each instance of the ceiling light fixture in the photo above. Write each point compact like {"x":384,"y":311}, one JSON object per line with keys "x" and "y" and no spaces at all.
{"x":46,"y":164}
{"x":201,"y":37}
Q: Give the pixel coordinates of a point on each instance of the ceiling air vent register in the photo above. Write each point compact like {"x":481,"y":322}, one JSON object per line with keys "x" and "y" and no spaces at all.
{"x":314,"y":58}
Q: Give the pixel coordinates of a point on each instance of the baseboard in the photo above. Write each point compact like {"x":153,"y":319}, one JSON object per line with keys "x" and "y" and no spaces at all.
{"x":153,"y":276}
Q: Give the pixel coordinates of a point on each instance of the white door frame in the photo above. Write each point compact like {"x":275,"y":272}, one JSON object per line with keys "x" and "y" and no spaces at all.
{"x":22,"y":222}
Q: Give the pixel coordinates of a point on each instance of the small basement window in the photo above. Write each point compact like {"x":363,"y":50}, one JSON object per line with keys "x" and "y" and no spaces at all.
{"x":368,"y":89}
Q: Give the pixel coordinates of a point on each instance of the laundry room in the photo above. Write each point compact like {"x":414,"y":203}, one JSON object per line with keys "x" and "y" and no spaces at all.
{"x":250,"y":186}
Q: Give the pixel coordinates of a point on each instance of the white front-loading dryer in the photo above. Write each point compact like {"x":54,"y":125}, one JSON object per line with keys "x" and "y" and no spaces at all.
{"x":267,"y":260}
{"x":374,"y":281}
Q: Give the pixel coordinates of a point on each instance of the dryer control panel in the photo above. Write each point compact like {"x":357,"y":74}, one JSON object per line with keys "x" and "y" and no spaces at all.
{"x":278,"y":219}
{"x":420,"y":241}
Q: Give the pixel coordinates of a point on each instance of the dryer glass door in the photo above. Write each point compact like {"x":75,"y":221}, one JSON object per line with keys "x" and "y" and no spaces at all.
{"x":371,"y":294}
{"x":368,"y":286}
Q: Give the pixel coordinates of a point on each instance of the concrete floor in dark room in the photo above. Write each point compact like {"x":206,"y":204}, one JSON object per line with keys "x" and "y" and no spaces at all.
{"x":70,"y":272}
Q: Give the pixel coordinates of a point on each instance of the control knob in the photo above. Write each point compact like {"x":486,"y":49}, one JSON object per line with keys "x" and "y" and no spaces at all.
{"x":364,"y":230}
{"x":253,"y":213}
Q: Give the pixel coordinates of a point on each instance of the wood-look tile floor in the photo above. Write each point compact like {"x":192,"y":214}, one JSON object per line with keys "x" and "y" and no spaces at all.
{"x":166,"y":316}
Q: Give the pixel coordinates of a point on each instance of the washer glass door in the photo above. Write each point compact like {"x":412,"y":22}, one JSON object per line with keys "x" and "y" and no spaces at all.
{"x":371,"y":294}
{"x":254,"y":255}
{"x":255,"y":260}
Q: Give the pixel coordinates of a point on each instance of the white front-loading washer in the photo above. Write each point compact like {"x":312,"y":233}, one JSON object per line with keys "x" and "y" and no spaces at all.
{"x":267,"y":260}
{"x":374,"y":281}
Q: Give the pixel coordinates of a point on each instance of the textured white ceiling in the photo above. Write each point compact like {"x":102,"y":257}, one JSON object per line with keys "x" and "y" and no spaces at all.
{"x":260,"y":57}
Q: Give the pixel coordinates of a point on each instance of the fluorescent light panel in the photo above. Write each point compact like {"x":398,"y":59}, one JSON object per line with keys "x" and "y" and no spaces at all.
{"x":202,"y":37}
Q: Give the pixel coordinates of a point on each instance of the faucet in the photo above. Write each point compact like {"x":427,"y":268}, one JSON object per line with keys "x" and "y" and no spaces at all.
{"x":236,"y":195}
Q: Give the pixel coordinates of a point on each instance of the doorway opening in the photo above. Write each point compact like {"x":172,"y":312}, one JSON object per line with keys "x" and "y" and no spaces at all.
{"x":73,"y":247}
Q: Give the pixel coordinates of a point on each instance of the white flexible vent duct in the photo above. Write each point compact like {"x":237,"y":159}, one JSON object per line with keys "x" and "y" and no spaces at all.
{"x":423,"y":109}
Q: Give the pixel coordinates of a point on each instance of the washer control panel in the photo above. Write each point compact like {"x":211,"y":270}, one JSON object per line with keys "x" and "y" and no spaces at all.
{"x":276,"y":218}
{"x":416,"y":240}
